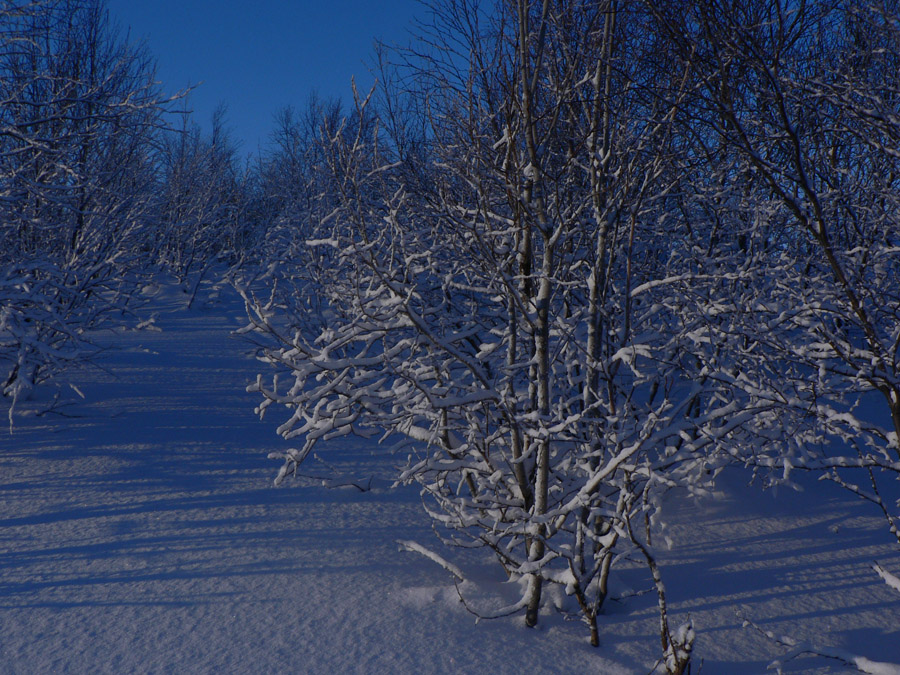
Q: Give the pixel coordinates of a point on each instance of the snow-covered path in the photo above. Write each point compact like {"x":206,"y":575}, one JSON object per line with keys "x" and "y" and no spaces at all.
{"x":143,"y":534}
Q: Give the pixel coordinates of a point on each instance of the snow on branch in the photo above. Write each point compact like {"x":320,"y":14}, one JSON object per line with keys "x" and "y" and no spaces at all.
{"x":413,"y":547}
{"x":798,"y":648}
{"x":890,"y":579}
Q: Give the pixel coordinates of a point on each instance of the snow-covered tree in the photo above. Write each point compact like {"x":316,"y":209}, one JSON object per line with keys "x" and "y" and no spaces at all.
{"x":293,"y":187}
{"x":511,"y":298}
{"x":203,"y":202}
{"x":77,"y":109}
{"x":803,"y":102}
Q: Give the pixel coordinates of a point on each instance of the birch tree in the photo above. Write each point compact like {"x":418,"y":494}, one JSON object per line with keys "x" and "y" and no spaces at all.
{"x":517,"y":309}
{"x":78,"y":109}
{"x":203,"y":203}
{"x":804,"y":98}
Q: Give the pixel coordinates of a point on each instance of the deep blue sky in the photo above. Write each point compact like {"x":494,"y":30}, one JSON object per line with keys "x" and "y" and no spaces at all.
{"x":260,"y":56}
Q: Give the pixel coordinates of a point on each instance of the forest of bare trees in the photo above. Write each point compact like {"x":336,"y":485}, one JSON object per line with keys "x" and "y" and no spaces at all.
{"x":564,"y":258}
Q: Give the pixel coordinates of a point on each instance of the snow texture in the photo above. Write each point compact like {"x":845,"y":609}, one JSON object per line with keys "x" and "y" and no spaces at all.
{"x":140,"y":532}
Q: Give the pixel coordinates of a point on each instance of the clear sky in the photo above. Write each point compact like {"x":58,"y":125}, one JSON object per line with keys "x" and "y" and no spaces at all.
{"x":257,"y":56}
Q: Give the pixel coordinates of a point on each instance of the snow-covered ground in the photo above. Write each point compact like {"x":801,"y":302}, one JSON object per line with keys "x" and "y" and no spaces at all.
{"x":140,"y":532}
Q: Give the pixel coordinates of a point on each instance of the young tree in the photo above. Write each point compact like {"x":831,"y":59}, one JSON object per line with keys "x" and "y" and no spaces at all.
{"x":803,"y":99}
{"x":79,"y":107}
{"x":203,"y":203}
{"x":511,"y":297}
{"x":292,"y":176}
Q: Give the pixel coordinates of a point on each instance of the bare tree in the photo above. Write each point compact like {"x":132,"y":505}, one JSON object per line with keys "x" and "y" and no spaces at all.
{"x":203,"y":203}
{"x":79,"y":107}
{"x":803,"y":98}
{"x":511,"y":299}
